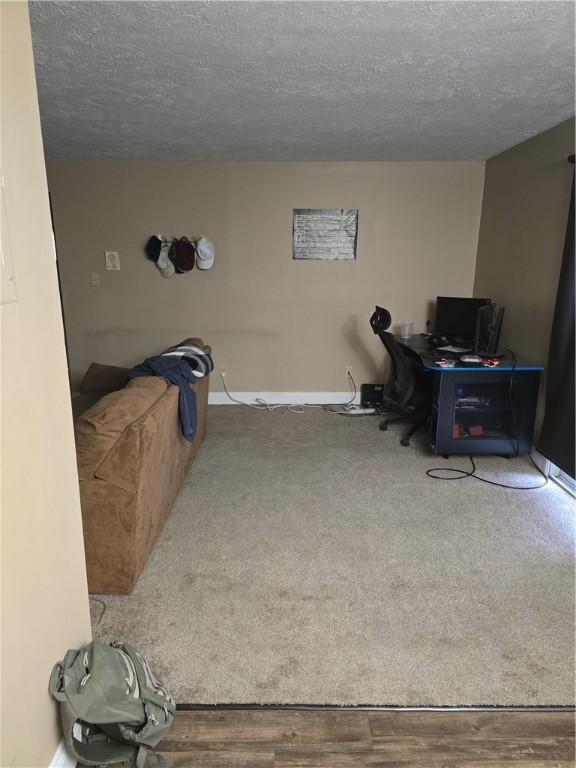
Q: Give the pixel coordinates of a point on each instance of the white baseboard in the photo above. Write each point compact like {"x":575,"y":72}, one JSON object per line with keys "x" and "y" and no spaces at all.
{"x":284,"y":398}
{"x":541,"y":462}
{"x":62,"y":758}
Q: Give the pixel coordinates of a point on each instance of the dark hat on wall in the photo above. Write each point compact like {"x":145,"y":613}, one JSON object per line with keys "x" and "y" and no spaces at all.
{"x":183,"y":255}
{"x":153,"y":247}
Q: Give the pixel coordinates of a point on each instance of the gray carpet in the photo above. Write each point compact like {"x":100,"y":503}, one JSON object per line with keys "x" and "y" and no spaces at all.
{"x":308,"y":559}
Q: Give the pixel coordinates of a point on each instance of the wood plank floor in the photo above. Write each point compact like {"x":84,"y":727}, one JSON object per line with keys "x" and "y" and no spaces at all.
{"x":369,"y":739}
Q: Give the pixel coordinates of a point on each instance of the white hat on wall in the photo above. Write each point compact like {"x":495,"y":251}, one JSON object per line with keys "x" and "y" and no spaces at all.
{"x":164,"y":262}
{"x":204,"y":253}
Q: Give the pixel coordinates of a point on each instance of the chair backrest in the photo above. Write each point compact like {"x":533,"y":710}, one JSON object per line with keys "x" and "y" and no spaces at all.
{"x":402,"y":380}
{"x":380,"y":320}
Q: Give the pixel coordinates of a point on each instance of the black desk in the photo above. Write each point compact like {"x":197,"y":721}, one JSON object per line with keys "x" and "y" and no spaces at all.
{"x":478,"y":409}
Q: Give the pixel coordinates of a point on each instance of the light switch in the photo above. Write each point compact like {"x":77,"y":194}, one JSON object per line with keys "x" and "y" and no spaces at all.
{"x":94,"y":279}
{"x":112,"y":260}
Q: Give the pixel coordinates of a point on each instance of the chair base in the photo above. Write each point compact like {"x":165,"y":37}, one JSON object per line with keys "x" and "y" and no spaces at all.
{"x":419,"y":419}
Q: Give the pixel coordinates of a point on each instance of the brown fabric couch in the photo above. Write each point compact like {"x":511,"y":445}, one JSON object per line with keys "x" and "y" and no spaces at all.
{"x":132,"y":459}
{"x":98,"y":381}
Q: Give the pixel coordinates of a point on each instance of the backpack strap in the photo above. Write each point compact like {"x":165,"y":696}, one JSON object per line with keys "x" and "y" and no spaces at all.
{"x":55,"y":684}
{"x":148,"y":759}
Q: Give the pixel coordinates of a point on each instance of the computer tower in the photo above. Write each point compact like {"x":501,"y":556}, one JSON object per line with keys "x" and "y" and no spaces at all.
{"x":495,"y":331}
{"x":488,"y":329}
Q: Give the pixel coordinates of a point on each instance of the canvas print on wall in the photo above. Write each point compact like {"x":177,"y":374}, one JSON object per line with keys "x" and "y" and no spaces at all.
{"x":328,"y":234}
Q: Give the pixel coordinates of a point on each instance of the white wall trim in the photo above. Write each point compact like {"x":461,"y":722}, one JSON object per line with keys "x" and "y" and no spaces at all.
{"x":284,"y":398}
{"x":541,"y":462}
{"x":555,"y":473}
{"x":62,"y":758}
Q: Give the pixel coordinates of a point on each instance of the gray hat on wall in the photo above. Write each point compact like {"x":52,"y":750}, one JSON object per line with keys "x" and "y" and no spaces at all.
{"x":204,"y":253}
{"x":164,"y":264}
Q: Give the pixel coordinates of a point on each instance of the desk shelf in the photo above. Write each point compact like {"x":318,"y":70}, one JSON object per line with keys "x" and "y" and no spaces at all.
{"x":501,"y":409}
{"x":484,"y":411}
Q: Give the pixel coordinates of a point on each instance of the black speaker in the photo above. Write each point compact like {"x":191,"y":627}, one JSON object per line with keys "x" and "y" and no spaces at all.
{"x":371,"y":395}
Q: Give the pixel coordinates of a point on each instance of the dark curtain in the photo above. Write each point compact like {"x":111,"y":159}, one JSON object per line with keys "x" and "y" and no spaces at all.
{"x":557,"y":438}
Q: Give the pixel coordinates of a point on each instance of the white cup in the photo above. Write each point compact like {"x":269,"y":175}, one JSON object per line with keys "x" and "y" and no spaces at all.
{"x":406,"y":329}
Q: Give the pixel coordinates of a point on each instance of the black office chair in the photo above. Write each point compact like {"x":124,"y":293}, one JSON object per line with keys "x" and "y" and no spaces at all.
{"x":408,"y":392}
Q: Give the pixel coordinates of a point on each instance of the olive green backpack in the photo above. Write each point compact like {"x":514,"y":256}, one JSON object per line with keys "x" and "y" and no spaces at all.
{"x":112,"y":707}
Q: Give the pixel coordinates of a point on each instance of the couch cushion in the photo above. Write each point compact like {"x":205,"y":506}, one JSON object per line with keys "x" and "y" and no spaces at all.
{"x":81,"y":401}
{"x":99,"y":428}
{"x":104,"y":378}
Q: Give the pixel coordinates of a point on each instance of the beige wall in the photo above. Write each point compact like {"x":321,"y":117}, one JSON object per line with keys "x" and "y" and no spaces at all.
{"x":44,"y":596}
{"x":278,"y":325}
{"x":524,"y":214}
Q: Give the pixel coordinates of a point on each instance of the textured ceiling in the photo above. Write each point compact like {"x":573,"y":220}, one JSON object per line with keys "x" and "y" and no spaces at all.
{"x":300,"y":80}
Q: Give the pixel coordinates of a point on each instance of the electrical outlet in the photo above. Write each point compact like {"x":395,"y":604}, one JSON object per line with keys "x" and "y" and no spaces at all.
{"x":94,"y":279}
{"x":112,"y":259}
{"x":223,"y":371}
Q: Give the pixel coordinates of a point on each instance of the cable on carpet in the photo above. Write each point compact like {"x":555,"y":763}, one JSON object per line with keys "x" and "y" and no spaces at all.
{"x":463,"y":473}
{"x":260,"y":404}
{"x":103,"y":606}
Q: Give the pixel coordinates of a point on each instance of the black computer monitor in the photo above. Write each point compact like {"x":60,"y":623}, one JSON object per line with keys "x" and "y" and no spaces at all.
{"x":456,"y":317}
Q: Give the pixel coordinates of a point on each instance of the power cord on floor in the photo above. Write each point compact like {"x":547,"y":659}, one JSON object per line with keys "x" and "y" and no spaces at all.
{"x":463,"y":473}
{"x":352,"y":411}
{"x":298,"y":408}
{"x":511,"y":401}
{"x":102,"y":604}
